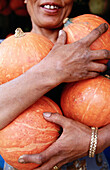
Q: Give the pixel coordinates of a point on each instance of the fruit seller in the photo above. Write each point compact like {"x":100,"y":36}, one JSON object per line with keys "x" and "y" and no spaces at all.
{"x":64,"y":63}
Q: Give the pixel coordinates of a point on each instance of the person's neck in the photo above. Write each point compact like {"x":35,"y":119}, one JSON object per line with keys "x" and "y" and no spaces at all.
{"x":50,"y":34}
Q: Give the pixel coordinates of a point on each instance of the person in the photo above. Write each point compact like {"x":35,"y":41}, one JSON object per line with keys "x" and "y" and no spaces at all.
{"x":64,"y":63}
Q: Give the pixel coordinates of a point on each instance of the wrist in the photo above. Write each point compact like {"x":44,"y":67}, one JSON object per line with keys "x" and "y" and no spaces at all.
{"x":106,"y":131}
{"x":44,"y":78}
{"x":103,"y":138}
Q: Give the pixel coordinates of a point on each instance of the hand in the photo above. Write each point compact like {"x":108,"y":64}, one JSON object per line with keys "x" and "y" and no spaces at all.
{"x":74,"y":62}
{"x":72,"y":144}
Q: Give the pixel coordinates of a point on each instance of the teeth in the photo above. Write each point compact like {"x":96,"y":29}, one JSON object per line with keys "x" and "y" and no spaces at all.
{"x":50,"y":7}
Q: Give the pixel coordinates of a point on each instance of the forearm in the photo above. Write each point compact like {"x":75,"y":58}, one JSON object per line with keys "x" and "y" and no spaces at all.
{"x":22,"y":92}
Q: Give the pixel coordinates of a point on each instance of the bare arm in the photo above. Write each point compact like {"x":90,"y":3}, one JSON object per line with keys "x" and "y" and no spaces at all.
{"x":20,"y":93}
{"x":64,"y":63}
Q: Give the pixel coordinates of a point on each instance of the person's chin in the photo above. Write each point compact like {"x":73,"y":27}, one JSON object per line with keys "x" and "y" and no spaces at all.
{"x":51,"y":24}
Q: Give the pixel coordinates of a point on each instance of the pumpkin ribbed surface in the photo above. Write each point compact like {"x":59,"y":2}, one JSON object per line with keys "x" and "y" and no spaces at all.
{"x":17,"y":55}
{"x":29,"y":133}
{"x":78,"y":27}
{"x":88,"y":101}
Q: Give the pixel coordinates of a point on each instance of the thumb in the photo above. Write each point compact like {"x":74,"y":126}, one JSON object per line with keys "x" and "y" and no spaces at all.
{"x":55,"y":118}
{"x":61,"y":38}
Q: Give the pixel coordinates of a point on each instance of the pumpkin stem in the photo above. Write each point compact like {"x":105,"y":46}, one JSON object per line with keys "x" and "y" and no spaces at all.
{"x":106,"y":75}
{"x":19,"y":33}
{"x":67,"y":21}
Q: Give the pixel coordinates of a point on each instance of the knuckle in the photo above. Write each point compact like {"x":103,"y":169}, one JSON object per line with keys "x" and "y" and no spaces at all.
{"x":69,"y":123}
{"x":93,"y":74}
{"x":105,"y":53}
{"x":103,"y":68}
{"x":97,"y":31}
{"x":80,"y":43}
{"x":55,"y":116}
{"x":41,"y":159}
{"x":86,"y":57}
{"x":83,"y":75}
{"x":103,"y":27}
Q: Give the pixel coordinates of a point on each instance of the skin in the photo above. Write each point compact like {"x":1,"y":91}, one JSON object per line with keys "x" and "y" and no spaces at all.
{"x":64,"y":150}
{"x":42,"y":21}
{"x":64,"y":63}
{"x":48,"y":74}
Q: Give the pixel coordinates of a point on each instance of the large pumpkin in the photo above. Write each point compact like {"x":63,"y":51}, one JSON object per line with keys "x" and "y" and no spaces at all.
{"x":80,"y":26}
{"x":30,"y":133}
{"x":88,"y":101}
{"x":20,"y":52}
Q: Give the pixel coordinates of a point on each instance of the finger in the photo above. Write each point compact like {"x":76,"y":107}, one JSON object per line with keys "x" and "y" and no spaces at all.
{"x":42,"y":157}
{"x":70,"y":160}
{"x":61,"y":38}
{"x":52,"y":150}
{"x":51,"y":163}
{"x":95,"y":34}
{"x":64,"y":162}
{"x":97,"y":67}
{"x":91,"y":75}
{"x":56,"y":118}
{"x":100,"y":54}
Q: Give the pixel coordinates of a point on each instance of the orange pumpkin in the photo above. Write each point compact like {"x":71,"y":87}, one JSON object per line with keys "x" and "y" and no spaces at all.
{"x":20,"y":52}
{"x":88,"y":101}
{"x":9,"y":35}
{"x":78,"y":27}
{"x":29,"y":133}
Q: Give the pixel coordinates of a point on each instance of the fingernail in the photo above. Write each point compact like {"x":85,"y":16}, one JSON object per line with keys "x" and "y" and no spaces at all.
{"x":47,"y":114}
{"x":21,"y":160}
{"x":106,"y":25}
{"x":60,"y":32}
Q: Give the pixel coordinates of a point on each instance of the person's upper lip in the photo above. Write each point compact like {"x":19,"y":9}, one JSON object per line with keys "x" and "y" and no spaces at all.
{"x":51,"y":3}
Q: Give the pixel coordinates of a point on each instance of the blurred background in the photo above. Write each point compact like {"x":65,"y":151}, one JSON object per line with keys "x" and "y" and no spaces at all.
{"x":13,"y":14}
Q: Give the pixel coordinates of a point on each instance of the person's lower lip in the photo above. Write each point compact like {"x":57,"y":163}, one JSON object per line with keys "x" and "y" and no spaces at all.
{"x":51,"y":11}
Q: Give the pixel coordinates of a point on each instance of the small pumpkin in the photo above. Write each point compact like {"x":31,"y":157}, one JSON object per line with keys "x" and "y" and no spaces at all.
{"x":20,"y":52}
{"x":88,"y":101}
{"x":29,"y":133}
{"x":80,"y":26}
